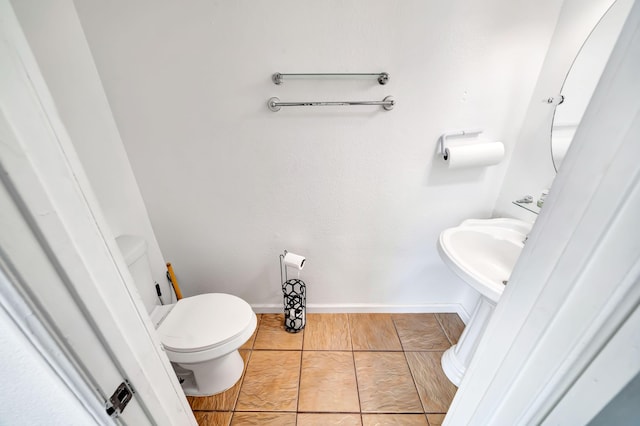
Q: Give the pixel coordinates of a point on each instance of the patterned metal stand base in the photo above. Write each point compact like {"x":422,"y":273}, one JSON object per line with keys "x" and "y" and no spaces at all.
{"x":295,"y":300}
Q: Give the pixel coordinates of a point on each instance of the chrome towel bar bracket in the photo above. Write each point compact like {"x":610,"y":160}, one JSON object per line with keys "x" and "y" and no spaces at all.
{"x":275,"y":104}
{"x":383,"y":77}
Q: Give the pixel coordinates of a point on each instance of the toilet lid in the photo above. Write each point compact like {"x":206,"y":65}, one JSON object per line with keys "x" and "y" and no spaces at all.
{"x":201,"y":322}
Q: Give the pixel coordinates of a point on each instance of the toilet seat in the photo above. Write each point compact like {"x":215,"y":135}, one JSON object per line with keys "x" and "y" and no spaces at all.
{"x":205,"y":322}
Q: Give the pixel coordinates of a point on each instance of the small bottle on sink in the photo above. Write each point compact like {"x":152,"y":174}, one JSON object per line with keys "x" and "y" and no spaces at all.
{"x":543,"y":196}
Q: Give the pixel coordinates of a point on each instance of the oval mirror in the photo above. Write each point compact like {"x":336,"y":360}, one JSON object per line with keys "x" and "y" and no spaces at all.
{"x":583,"y":76}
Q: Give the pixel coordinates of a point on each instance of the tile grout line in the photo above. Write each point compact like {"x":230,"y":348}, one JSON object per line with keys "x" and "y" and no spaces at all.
{"x":235,"y":402}
{"x":415,"y":384}
{"x":355,"y":371}
{"x":300,"y":373}
{"x":439,"y":321}
{"x":244,"y":373}
{"x":413,"y":379}
{"x":395,"y":327}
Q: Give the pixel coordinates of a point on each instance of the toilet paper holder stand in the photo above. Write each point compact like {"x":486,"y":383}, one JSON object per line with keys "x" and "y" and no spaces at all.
{"x":295,"y":299}
{"x":443,"y":138}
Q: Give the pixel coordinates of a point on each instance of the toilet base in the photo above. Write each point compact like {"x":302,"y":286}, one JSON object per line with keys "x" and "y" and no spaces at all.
{"x":212,"y":377}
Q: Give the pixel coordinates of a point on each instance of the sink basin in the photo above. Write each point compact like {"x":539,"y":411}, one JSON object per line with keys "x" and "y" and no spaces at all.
{"x":483,"y":252}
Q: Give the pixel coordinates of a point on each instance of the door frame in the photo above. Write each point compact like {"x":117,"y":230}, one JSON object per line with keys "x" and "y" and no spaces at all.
{"x":62,"y":251}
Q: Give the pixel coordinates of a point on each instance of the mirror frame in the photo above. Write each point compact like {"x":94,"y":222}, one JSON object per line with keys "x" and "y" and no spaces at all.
{"x":625,"y":7}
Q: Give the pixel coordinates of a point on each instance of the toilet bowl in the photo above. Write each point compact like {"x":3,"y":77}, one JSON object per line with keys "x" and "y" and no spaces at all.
{"x":200,"y":334}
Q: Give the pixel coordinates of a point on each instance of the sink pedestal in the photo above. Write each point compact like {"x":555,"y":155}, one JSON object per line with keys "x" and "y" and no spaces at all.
{"x":482,"y":252}
{"x":456,"y":359}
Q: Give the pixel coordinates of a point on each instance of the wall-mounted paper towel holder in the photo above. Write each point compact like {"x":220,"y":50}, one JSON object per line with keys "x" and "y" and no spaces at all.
{"x":444,"y":136}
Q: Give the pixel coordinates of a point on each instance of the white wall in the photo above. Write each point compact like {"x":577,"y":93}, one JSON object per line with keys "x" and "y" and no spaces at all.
{"x":531,"y":169}
{"x":32,"y":392}
{"x":229,"y":184}
{"x":58,"y":43}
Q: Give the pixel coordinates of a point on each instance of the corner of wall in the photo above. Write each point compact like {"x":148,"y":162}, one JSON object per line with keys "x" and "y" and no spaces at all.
{"x":58,"y":42}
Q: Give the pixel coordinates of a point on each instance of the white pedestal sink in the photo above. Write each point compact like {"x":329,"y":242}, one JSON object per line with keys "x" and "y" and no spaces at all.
{"x":483,"y":253}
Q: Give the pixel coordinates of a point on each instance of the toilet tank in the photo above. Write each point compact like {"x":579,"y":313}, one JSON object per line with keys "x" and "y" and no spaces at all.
{"x":134,"y":251}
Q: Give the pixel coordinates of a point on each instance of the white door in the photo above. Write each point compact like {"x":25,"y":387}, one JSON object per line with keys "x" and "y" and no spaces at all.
{"x":60,"y":256}
{"x":33,"y":288}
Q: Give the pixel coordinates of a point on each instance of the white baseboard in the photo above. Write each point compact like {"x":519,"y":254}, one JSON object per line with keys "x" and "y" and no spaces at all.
{"x":352,"y":308}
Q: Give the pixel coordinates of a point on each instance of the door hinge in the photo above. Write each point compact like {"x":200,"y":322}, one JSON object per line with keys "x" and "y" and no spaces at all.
{"x":120,"y":398}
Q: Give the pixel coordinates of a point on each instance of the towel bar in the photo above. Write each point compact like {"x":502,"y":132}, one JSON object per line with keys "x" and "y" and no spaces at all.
{"x":275,"y":104}
{"x":383,"y":77}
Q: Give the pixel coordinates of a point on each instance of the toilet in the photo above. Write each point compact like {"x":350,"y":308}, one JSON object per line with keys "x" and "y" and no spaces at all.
{"x":200,"y":334}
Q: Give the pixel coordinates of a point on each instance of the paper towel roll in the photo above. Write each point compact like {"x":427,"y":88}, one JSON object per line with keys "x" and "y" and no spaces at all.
{"x":474,"y":155}
{"x":294,"y":261}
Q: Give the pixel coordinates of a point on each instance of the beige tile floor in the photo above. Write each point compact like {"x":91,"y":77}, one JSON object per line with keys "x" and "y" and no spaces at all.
{"x":342,"y":369}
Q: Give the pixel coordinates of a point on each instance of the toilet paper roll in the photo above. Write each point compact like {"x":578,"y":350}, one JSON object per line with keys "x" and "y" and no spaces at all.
{"x":294,"y":261}
{"x":474,"y":155}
